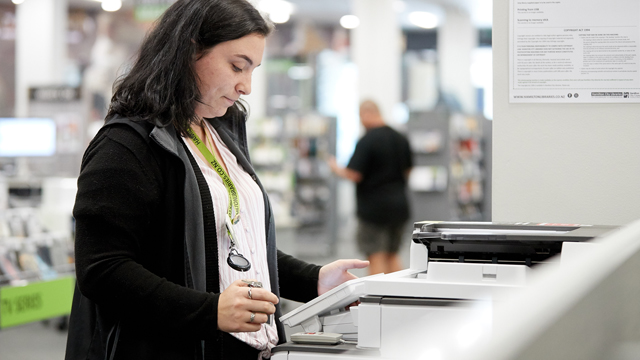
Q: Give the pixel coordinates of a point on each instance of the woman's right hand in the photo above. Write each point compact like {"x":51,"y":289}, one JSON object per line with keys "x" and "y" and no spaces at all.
{"x":235,"y":307}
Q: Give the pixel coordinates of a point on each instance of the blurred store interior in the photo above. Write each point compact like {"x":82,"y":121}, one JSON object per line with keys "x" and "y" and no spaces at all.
{"x":428,"y":63}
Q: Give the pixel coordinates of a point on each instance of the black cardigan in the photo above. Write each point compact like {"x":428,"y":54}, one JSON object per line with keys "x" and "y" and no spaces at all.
{"x":140,"y":253}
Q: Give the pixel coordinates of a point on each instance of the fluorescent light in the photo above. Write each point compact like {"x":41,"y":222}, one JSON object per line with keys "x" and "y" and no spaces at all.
{"x":349,"y":21}
{"x":279,"y":17}
{"x":111,"y":5}
{"x":423,"y":19}
{"x":279,"y":10}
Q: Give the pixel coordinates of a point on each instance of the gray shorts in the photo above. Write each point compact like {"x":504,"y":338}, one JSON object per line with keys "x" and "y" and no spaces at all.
{"x":373,"y":238}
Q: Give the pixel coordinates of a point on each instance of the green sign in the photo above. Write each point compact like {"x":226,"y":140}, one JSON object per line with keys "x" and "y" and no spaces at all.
{"x":36,"y":301}
{"x":279,"y":65}
{"x":150,"y":12}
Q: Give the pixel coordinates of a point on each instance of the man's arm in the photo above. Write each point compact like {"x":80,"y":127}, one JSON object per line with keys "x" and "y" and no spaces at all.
{"x":344,"y":172}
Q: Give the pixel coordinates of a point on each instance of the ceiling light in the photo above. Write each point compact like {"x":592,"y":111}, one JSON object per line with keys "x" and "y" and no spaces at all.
{"x":423,"y":19}
{"x":17,"y":2}
{"x":279,"y":17}
{"x":349,"y":21}
{"x":111,"y":5}
{"x":279,"y":10}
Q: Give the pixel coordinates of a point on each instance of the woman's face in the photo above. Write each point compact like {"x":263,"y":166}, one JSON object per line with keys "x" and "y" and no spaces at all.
{"x":225,"y":73}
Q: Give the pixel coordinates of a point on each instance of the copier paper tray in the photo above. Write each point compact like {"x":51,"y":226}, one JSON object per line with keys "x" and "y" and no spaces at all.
{"x":516,"y":243}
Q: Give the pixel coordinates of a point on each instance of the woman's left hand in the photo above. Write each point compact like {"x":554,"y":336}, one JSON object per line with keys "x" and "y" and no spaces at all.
{"x":335,"y":273}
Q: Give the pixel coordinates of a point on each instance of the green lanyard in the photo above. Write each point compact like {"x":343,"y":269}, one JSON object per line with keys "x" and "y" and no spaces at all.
{"x":234,"y":200}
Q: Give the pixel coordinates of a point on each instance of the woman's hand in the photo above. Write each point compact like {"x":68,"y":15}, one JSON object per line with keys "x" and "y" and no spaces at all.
{"x":239,"y":301}
{"x":335,"y":273}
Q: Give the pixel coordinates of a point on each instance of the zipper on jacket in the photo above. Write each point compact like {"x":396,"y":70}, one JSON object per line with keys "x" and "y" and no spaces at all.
{"x":110,"y":351}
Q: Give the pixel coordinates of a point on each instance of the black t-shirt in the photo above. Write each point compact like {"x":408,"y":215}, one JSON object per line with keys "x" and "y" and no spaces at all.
{"x":382,"y":156}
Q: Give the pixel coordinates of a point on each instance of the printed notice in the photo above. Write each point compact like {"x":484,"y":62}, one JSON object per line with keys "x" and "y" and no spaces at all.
{"x":574,"y":51}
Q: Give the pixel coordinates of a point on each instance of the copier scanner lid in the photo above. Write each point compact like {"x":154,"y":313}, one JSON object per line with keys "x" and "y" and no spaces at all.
{"x":528,"y":243}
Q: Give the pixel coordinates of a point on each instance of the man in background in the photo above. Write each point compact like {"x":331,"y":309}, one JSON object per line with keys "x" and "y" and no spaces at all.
{"x":380,"y":167}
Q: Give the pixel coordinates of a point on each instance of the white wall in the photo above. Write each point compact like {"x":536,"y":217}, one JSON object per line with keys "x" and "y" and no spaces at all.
{"x":376,"y":48}
{"x":457,"y":38}
{"x":41,"y":47}
{"x":568,"y":163}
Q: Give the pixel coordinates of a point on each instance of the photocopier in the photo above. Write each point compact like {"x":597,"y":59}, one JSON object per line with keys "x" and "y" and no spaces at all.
{"x":457,"y":271}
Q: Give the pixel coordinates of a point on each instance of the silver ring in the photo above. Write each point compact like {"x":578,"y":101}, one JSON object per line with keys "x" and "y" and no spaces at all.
{"x":253,"y":316}
{"x":250,"y":297}
{"x":250,"y":283}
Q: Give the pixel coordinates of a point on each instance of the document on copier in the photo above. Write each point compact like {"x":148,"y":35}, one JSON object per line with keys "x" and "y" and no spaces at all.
{"x":333,"y":300}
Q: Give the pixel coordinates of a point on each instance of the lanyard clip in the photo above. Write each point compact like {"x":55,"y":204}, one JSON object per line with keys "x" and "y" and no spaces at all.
{"x":230,"y":231}
{"x":235,"y":219}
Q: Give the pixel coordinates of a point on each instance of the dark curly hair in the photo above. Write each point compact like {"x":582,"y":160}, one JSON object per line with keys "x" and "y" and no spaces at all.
{"x":162,"y":85}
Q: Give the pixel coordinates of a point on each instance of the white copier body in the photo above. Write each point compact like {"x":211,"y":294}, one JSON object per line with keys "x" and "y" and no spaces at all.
{"x":433,"y":302}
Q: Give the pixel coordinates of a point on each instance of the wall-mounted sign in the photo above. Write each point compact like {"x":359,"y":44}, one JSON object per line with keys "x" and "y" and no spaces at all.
{"x":54,"y":94}
{"x":568,"y":51}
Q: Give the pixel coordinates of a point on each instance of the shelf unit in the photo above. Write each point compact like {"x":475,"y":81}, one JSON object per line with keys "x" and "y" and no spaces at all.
{"x":36,"y":270}
{"x":449,"y":180}
{"x":467,"y":172}
{"x":289,"y":156}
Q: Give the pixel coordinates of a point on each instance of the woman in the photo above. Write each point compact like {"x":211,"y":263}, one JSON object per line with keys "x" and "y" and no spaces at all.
{"x":175,"y":239}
